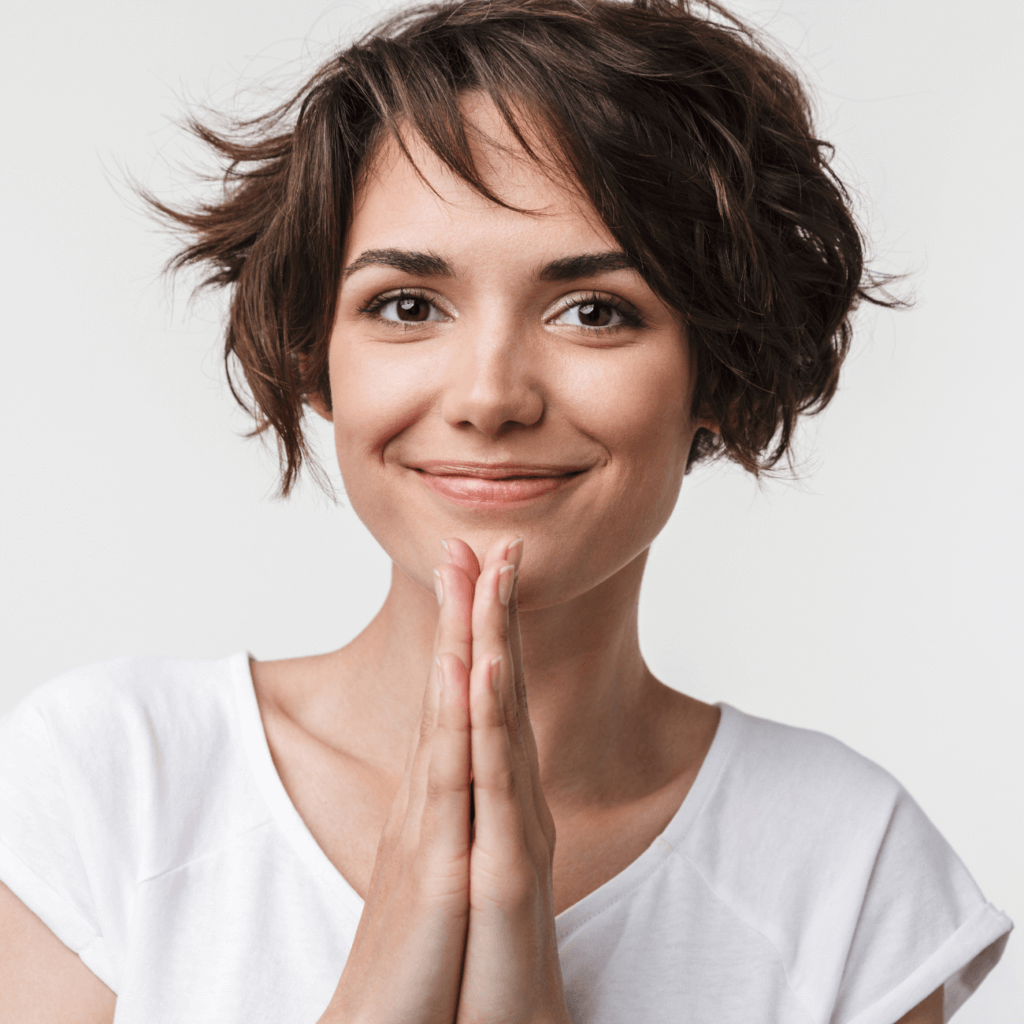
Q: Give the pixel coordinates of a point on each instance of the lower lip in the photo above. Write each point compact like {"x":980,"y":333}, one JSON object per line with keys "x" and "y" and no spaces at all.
{"x":481,"y":493}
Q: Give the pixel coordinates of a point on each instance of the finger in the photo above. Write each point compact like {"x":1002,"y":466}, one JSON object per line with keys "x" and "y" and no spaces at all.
{"x":492,"y":595}
{"x":455,"y":592}
{"x":459,"y":553}
{"x":524,"y":727}
{"x":500,"y":830}
{"x":493,"y":604}
{"x":452,"y":638}
{"x":507,"y":548}
{"x":445,"y":829}
{"x":490,"y":619}
{"x":517,"y":715}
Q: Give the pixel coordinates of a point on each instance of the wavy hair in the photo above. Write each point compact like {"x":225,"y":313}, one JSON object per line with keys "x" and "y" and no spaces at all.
{"x":691,"y":139}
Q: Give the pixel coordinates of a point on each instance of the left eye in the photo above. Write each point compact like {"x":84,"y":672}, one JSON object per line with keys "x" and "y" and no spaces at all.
{"x":591,"y":314}
{"x":410,"y":309}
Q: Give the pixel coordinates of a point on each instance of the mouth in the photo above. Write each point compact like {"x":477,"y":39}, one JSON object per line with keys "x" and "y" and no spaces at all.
{"x":491,"y":485}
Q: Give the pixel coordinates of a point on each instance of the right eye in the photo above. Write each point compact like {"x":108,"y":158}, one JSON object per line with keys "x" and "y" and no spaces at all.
{"x":408,"y":309}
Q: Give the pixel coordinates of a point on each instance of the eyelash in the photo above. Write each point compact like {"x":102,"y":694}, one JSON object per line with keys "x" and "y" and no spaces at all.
{"x":378,"y":303}
{"x":630,"y":316}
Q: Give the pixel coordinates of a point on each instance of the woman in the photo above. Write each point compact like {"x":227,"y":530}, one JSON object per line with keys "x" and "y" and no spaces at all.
{"x":533,"y":261}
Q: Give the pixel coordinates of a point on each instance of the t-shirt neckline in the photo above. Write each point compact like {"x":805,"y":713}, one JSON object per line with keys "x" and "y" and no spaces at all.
{"x":279,"y":803}
{"x":282,"y":809}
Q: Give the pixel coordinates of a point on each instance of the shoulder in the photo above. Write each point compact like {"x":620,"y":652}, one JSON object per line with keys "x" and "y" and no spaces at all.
{"x":117,"y":773}
{"x":132,"y":711}
{"x":148,"y":752}
{"x":799,"y":776}
{"x":112,"y":693}
{"x":824,"y":854}
{"x":792,"y":804}
{"x":141,"y":720}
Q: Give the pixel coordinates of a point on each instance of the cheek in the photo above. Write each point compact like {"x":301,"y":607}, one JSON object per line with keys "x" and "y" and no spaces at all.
{"x":638,"y":408}
{"x":376,"y":394}
{"x":375,"y":399}
{"x":644,"y":419}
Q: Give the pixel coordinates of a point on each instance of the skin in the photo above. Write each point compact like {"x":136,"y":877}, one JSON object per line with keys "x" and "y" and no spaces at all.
{"x":384,"y":736}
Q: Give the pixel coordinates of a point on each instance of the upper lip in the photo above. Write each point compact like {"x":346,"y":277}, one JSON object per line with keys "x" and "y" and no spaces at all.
{"x":494,"y":470}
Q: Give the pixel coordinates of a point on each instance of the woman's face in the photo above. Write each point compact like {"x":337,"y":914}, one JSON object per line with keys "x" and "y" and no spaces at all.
{"x":495,"y":371}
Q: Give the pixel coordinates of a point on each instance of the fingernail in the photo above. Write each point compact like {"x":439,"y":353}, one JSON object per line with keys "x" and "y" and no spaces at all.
{"x":514,"y":553}
{"x":495,"y":674}
{"x":447,"y":550}
{"x":506,"y":577}
{"x":440,"y":674}
{"x":438,"y":587}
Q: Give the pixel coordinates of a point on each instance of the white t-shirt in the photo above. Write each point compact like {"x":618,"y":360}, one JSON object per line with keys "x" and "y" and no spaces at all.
{"x":142,"y":818}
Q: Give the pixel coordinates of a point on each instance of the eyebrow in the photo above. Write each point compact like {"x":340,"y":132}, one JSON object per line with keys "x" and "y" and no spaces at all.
{"x":571,"y":267}
{"x":428,"y":264}
{"x":422,"y":264}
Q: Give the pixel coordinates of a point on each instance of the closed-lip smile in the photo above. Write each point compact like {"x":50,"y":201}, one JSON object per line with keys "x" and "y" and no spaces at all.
{"x":494,"y":485}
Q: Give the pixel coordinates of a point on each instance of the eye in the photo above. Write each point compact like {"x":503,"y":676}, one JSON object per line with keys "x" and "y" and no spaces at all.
{"x":406,"y":309}
{"x":595,"y":312}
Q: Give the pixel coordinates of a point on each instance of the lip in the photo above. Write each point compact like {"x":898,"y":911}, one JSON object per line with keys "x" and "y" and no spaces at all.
{"x":490,"y":485}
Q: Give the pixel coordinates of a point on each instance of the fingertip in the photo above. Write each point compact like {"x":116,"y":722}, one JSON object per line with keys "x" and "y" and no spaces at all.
{"x":460,"y":554}
{"x":496,"y":552}
{"x":506,"y":578}
{"x":480,"y":685}
{"x":454,"y":681}
{"x":450,"y":665}
{"x":514,"y":552}
{"x":485,"y":683}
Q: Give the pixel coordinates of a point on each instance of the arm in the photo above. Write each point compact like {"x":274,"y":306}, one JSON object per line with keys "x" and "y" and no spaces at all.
{"x":41,"y":980}
{"x":927,"y":1012}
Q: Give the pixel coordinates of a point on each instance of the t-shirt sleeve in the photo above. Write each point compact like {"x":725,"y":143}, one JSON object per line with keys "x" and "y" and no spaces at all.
{"x":923,"y":923}
{"x":41,"y":855}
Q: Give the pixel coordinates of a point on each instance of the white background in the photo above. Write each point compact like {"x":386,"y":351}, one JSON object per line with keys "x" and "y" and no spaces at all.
{"x":879,"y":600}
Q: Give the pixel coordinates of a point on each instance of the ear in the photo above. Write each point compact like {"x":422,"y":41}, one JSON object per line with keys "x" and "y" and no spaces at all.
{"x":315,"y":401}
{"x":313,"y":398}
{"x":703,"y":423}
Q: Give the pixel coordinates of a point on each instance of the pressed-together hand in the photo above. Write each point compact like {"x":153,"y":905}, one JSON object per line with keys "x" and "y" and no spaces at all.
{"x":405,"y":965}
{"x":459,"y":919}
{"x":511,"y":971}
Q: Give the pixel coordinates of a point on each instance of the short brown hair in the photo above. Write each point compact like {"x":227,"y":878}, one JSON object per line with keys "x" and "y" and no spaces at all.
{"x":691,"y":139}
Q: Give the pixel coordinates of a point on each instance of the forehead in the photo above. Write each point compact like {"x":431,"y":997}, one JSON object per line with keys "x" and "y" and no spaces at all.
{"x":417,"y":202}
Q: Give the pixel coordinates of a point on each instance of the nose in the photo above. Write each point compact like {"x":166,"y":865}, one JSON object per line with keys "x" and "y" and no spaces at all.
{"x":493,"y":382}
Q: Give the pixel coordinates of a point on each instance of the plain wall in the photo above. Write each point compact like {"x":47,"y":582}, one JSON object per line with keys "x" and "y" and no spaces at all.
{"x":879,"y":600}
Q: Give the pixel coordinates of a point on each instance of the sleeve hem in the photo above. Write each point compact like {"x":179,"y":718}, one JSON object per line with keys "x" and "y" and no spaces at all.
{"x":961,"y":963}
{"x":56,"y":913}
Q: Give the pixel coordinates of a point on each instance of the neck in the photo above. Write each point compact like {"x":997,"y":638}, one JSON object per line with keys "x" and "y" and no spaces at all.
{"x":594,"y":705}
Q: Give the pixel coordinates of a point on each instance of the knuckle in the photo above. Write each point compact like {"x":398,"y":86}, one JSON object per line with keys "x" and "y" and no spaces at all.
{"x":491,"y":714}
{"x":437,"y":787}
{"x":442,"y":781}
{"x":499,"y":783}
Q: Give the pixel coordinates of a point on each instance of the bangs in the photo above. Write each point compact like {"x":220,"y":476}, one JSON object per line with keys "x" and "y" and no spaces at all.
{"x":690,"y":139}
